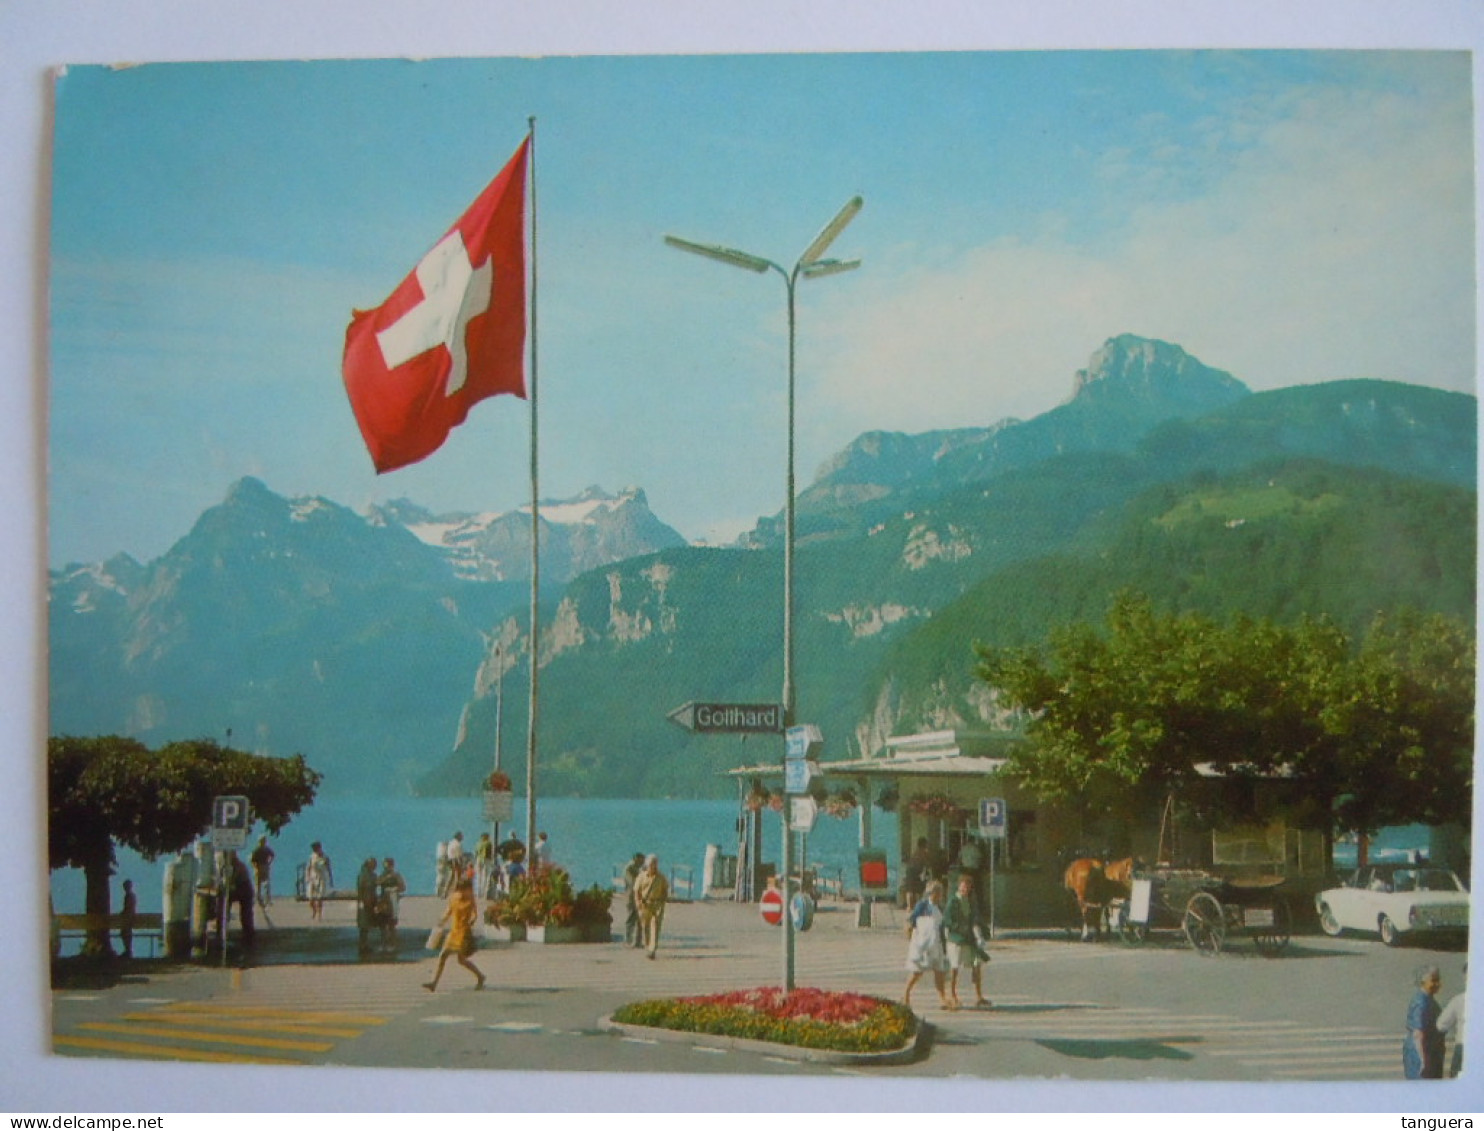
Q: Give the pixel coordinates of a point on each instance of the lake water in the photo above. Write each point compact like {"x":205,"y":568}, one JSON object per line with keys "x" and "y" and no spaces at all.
{"x":588,"y":838}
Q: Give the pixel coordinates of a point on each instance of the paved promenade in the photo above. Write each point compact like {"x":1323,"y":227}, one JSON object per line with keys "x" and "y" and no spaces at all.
{"x":1061,"y":1009}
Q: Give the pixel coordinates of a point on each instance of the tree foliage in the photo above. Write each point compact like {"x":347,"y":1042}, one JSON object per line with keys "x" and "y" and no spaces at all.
{"x":1121,"y":715}
{"x":109,"y":791}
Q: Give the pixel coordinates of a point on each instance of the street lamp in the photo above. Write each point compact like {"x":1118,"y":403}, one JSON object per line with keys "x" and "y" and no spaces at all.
{"x":810,"y":265}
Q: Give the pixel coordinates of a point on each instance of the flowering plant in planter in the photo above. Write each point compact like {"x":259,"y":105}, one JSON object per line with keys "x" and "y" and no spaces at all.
{"x":547,"y":899}
{"x":935,"y":805}
{"x":807,"y":1018}
{"x":499,"y":782}
{"x":593,"y":907}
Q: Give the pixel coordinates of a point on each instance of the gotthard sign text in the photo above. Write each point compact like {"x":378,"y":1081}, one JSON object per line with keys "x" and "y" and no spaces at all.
{"x":730,"y":718}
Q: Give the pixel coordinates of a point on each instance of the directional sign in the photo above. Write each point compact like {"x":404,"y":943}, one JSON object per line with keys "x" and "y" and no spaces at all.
{"x":802,"y":742}
{"x":797,"y":774}
{"x":992,"y":817}
{"x":498,"y":805}
{"x":231,"y":817}
{"x":802,"y":813}
{"x":729,"y":718}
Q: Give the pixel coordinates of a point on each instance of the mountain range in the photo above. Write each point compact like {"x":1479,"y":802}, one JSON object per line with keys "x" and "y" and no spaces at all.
{"x":298,"y":625}
{"x":377,"y":644}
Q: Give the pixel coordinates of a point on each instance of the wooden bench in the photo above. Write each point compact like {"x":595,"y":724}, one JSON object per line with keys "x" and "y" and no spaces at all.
{"x":146,"y":925}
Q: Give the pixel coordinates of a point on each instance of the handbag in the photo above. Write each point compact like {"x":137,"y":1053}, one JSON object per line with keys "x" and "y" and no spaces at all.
{"x":435,"y":938}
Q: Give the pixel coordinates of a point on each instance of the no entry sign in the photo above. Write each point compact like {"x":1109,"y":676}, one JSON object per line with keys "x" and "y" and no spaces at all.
{"x":771,"y":905}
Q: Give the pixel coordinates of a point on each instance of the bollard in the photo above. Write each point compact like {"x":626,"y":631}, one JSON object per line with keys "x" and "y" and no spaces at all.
{"x":203,"y":906}
{"x":709,"y":869}
{"x":180,"y":881}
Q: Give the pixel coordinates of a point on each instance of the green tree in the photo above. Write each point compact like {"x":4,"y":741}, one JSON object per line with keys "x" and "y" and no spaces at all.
{"x":1403,"y":725}
{"x":1121,"y":716}
{"x":107,"y":791}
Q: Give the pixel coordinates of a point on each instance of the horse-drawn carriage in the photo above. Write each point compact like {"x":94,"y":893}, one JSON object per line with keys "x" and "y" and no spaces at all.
{"x":1208,"y":909}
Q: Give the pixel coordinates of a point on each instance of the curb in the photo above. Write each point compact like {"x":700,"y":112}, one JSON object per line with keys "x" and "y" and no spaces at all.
{"x":917,"y":1047}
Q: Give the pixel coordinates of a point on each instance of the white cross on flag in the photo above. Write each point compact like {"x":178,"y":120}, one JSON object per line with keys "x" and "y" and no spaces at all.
{"x":452,"y":334}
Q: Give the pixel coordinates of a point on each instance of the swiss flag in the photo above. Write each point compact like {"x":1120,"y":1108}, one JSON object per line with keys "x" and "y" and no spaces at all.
{"x":451,"y":334}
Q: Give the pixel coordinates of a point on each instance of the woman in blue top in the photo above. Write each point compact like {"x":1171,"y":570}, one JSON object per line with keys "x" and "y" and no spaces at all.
{"x":1422,"y":1051}
{"x":925,"y":950}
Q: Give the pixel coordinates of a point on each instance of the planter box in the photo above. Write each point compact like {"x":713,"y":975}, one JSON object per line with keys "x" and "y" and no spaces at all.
{"x":588,"y":934}
{"x":550,"y":934}
{"x":517,"y":933}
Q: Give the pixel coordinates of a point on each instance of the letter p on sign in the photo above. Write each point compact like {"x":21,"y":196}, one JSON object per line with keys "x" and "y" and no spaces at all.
{"x":229,"y":813}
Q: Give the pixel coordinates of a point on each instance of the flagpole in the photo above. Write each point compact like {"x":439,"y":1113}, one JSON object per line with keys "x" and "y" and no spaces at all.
{"x":535,"y":529}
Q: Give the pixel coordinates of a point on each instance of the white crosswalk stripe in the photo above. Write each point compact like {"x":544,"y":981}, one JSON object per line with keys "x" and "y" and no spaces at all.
{"x":1269,"y":1049}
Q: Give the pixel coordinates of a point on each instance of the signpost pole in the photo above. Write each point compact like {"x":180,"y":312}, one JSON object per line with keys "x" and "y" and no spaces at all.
{"x":993,"y":852}
{"x":800,"y":744}
{"x":787,"y":886}
{"x":994,"y":818}
{"x":231,"y":817}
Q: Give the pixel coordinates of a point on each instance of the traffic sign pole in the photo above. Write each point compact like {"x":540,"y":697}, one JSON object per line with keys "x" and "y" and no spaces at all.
{"x":786,"y":884}
{"x":800,"y":745}
{"x":994,"y":816}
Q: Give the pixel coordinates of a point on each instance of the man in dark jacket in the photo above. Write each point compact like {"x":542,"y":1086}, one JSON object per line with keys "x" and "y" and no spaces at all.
{"x":367,"y":893}
{"x":962,"y":928}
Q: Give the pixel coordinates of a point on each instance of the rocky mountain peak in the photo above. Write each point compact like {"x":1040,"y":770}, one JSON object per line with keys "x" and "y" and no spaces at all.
{"x":1129,"y":367}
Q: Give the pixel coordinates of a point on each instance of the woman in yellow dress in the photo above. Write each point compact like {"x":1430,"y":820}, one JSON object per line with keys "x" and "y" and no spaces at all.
{"x":460,"y":917}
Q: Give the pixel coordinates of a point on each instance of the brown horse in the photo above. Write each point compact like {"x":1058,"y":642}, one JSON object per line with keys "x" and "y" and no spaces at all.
{"x":1095,"y":884}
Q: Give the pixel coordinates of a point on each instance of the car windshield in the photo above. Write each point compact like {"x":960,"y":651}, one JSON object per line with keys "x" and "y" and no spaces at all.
{"x":1406,"y":879}
{"x":1437,"y":879}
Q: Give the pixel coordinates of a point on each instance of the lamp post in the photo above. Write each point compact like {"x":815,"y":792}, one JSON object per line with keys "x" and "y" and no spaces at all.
{"x":810,"y":265}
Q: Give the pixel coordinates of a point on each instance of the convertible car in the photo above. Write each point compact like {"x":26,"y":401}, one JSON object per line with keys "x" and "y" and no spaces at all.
{"x":1395,"y":900}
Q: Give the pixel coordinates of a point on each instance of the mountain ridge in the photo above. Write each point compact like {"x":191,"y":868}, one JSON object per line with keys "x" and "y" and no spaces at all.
{"x":364,"y":641}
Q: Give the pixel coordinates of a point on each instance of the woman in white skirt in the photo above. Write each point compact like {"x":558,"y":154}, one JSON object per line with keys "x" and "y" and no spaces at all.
{"x":925,"y":950}
{"x":318,"y":880}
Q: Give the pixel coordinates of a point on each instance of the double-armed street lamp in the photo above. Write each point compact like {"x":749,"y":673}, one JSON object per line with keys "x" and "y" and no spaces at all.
{"x":810,"y":265}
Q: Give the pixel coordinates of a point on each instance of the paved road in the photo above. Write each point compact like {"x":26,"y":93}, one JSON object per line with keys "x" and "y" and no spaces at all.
{"x":1327,"y":1010}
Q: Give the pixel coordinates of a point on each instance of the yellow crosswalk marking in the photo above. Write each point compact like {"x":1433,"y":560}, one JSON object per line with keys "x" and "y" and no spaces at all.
{"x":131,"y":1048}
{"x":177,"y":1034}
{"x":253,"y":1024}
{"x":322,"y":1017}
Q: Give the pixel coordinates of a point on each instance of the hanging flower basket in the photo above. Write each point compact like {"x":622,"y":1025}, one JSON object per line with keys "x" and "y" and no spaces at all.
{"x":936,"y":805}
{"x":842,"y":804}
{"x":887,"y":800}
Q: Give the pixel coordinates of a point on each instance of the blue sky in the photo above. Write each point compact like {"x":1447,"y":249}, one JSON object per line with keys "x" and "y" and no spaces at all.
{"x":1288,"y":216}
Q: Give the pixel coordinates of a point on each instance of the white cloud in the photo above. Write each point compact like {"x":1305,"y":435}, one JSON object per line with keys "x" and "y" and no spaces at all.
{"x":1332,"y":238}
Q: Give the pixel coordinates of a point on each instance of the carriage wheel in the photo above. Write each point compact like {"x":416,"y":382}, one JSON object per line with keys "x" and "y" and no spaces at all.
{"x":1205,"y":923}
{"x":1271,"y":940}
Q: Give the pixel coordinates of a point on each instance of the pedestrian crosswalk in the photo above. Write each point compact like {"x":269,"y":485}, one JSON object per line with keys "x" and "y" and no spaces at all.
{"x":218,"y":1032}
{"x":1254,"y":1049}
{"x":1056,"y":1006}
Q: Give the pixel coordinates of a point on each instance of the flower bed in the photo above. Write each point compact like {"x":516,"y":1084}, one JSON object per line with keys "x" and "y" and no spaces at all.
{"x":805,"y":1018}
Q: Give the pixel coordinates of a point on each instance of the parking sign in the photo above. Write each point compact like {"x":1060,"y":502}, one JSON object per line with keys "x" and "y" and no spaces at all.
{"x":992,"y":817}
{"x":231,"y":817}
